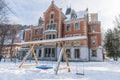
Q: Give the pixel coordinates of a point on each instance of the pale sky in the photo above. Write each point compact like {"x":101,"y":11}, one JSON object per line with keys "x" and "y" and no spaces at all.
{"x":29,"y":11}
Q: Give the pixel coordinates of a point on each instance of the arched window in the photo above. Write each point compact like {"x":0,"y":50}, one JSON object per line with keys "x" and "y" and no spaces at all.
{"x":52,"y":15}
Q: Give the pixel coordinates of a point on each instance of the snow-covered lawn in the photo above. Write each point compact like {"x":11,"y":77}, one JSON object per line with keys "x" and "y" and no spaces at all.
{"x":92,"y":71}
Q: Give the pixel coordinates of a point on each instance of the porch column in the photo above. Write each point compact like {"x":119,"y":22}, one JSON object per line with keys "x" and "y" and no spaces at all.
{"x":42,"y":53}
{"x":72,"y":53}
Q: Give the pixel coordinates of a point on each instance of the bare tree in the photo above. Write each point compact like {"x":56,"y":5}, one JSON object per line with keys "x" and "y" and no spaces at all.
{"x":3,"y":11}
{"x":3,"y":33}
{"x":13,"y":34}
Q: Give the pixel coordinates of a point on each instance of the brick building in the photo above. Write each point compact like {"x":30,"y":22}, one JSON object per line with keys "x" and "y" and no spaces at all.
{"x":56,"y":24}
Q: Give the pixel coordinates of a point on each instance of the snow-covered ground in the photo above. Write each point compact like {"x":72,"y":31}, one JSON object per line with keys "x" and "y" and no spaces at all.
{"x":92,"y":71}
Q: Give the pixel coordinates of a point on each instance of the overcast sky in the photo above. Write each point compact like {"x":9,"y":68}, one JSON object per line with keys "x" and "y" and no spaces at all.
{"x":29,"y":11}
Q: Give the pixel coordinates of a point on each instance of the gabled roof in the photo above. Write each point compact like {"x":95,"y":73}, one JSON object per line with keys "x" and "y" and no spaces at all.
{"x":59,"y":9}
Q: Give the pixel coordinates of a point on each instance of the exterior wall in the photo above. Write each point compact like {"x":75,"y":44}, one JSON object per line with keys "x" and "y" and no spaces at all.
{"x":58,"y":19}
{"x":96,"y":34}
{"x":95,"y":44}
{"x":38,"y":36}
{"x":85,"y":46}
{"x":99,"y":56}
{"x":84,"y":53}
{"x":27,"y":35}
{"x":73,"y":31}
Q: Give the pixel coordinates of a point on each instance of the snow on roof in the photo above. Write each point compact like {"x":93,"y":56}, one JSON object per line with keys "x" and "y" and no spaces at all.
{"x":80,"y":14}
{"x":7,"y":41}
{"x":53,"y":40}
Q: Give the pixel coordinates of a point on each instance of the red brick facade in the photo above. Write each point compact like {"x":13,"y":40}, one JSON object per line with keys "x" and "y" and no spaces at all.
{"x":59,"y":19}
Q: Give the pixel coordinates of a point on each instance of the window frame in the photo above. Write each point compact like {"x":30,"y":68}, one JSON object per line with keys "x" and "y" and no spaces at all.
{"x":36,"y":32}
{"x":52,"y":16}
{"x":93,"y":39}
{"x":78,"y":27}
{"x":67,"y":27}
{"x":93,"y":29}
{"x":76,"y":54}
{"x":94,"y":54}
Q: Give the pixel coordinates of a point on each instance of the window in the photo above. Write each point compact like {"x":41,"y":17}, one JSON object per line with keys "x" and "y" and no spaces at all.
{"x":41,"y":39}
{"x":68,"y":52}
{"x":77,"y":53}
{"x":68,"y":27}
{"x":39,"y":55}
{"x":54,"y":27}
{"x":77,"y":26}
{"x":45,"y":55}
{"x":52,"y":16}
{"x":76,"y":43}
{"x":93,"y":29}
{"x":94,"y":53}
{"x":93,"y":40}
{"x":47,"y":37}
{"x":42,"y":31}
{"x":48,"y":27}
{"x":53,"y":36}
{"x":53,"y":52}
{"x":36,"y":32}
{"x":50,"y":36}
{"x":49,"y":52}
{"x":51,"y":27}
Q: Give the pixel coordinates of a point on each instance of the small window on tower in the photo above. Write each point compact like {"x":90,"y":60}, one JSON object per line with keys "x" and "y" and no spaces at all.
{"x":52,"y":16}
{"x":93,"y":29}
{"x":93,"y":40}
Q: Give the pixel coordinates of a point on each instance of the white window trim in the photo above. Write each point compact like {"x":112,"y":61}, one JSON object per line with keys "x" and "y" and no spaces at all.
{"x":51,"y":24}
{"x":53,"y":16}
